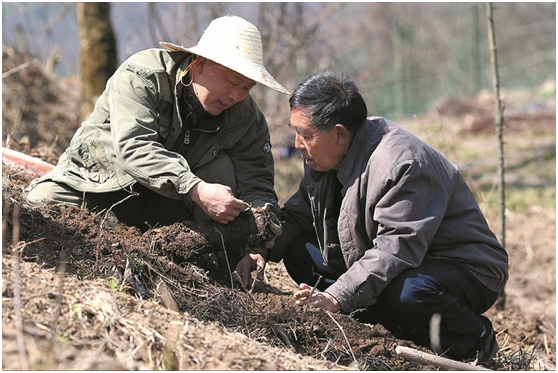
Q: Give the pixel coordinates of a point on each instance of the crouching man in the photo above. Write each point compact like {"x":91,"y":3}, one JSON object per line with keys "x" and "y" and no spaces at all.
{"x":388,"y":223}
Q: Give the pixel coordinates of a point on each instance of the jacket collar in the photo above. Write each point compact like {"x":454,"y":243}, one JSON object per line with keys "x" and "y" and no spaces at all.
{"x":356,"y":154}
{"x":366,"y":140}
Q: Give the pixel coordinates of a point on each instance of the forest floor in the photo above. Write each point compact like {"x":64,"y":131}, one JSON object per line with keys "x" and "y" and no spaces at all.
{"x":81,"y":291}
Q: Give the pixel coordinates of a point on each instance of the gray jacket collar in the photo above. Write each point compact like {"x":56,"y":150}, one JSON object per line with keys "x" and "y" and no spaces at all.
{"x":359,"y":152}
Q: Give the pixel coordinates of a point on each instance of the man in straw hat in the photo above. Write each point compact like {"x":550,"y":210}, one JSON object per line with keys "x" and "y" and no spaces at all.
{"x":384,"y":225}
{"x":175,"y":135}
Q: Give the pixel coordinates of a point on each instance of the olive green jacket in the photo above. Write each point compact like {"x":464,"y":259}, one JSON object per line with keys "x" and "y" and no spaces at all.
{"x":136,"y":131}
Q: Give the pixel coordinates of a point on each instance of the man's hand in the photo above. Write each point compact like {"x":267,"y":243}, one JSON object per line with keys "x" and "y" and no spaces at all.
{"x":217,"y":201}
{"x":249,"y":263}
{"x":315,"y":298}
{"x":274,"y":227}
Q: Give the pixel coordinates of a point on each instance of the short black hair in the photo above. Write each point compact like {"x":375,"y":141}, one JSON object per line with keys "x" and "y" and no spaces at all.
{"x":328,"y":99}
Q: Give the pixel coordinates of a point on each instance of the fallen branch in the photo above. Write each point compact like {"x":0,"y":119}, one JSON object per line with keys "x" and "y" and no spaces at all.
{"x":27,"y":162}
{"x":438,"y":361}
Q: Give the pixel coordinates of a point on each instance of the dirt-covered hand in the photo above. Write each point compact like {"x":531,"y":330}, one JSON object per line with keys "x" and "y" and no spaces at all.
{"x":315,"y":298}
{"x":217,"y":201}
{"x":274,"y":227}
{"x":247,"y":264}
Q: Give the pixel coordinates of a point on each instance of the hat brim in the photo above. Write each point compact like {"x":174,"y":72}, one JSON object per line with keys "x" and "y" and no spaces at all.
{"x":256,"y":72}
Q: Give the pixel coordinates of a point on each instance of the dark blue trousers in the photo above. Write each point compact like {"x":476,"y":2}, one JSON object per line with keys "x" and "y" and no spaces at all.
{"x":407,"y":304}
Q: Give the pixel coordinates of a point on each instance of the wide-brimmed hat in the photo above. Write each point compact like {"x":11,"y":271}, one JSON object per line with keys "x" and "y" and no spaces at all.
{"x":235,"y":43}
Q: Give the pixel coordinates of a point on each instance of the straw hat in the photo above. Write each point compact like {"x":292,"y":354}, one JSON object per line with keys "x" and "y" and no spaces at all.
{"x":234,"y":43}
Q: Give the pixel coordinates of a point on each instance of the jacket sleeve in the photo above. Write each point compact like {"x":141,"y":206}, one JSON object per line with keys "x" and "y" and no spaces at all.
{"x":134,"y":101}
{"x":407,"y":215}
{"x":253,"y":161}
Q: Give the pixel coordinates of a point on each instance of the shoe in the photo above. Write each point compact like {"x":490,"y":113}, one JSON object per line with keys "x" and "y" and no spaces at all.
{"x":487,"y":345}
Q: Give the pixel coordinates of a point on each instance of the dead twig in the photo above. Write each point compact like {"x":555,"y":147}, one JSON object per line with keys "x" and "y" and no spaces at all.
{"x":438,"y":361}
{"x":16,"y":251}
{"x":132,"y":194}
{"x":226,"y":259}
{"x":88,"y":361}
{"x":303,"y":316}
{"x":355,"y":361}
{"x":16,"y":69}
{"x":39,"y":295}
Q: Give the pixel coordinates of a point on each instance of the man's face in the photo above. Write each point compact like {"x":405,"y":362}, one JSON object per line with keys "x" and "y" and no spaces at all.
{"x":218,"y":88}
{"x":322,"y":150}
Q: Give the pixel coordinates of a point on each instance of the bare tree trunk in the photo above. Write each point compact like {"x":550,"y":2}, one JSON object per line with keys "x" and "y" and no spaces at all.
{"x":97,"y":57}
{"x":499,"y":123}
{"x":475,"y":53}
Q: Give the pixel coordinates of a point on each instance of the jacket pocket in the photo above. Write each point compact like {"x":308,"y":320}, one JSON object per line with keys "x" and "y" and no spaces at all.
{"x":214,"y":151}
{"x":90,"y":158}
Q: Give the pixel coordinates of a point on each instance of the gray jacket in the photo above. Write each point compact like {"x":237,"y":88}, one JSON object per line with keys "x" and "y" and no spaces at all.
{"x":399,"y":201}
{"x":136,"y":134}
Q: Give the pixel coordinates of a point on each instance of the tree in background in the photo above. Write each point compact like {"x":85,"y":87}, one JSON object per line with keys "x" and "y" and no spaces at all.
{"x":290,"y":36}
{"x":97,"y":57}
{"x":499,"y":124}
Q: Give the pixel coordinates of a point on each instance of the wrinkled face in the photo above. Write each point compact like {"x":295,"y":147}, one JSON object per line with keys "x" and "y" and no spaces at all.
{"x":322,"y":150}
{"x":218,"y":88}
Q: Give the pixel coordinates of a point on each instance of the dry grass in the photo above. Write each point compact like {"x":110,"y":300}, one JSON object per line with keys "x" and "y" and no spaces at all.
{"x":115,"y":331}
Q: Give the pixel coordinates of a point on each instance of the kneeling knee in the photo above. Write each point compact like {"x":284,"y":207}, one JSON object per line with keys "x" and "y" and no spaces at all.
{"x":49,"y":192}
{"x":38,"y":195}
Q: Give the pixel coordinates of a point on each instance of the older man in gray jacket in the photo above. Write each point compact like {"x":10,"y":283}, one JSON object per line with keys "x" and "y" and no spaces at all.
{"x":175,"y":135}
{"x":388,"y":223}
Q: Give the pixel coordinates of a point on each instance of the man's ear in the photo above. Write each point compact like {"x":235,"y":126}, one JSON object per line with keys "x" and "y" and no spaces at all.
{"x":343,"y":135}
{"x":199,"y":64}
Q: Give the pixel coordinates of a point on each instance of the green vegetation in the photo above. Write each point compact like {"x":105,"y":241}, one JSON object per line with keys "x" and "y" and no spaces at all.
{"x":114,"y":284}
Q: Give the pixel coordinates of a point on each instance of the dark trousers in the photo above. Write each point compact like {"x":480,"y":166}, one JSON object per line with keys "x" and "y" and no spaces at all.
{"x":407,"y":304}
{"x":146,"y":208}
